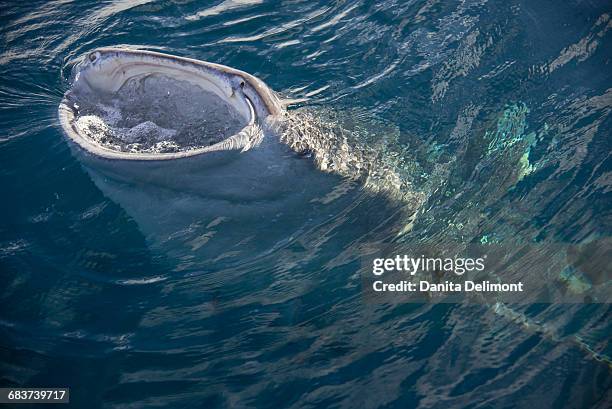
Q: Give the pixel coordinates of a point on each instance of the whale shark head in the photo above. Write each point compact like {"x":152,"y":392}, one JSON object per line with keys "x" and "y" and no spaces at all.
{"x":141,"y":105}
{"x":183,"y":145}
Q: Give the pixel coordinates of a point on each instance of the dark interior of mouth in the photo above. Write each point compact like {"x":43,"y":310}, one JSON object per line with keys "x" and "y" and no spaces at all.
{"x":154,"y":113}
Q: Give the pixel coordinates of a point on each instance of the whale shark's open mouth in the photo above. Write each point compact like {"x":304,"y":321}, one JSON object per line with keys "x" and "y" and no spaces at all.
{"x":141,"y":105}
{"x":155,"y":113}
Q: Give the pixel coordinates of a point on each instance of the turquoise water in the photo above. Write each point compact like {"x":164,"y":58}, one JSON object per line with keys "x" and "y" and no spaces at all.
{"x":493,"y":116}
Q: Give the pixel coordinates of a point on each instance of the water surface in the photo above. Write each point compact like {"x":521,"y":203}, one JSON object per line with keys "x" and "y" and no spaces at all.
{"x":494,"y":115}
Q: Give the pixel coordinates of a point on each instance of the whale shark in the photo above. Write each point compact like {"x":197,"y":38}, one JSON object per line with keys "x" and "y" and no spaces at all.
{"x":214,"y":171}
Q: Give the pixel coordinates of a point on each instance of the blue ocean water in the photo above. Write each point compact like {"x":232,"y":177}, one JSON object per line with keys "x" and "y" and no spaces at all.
{"x":496,"y":117}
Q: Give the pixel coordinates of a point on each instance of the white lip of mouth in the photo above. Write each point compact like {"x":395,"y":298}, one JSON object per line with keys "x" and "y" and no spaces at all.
{"x":67,"y":116}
